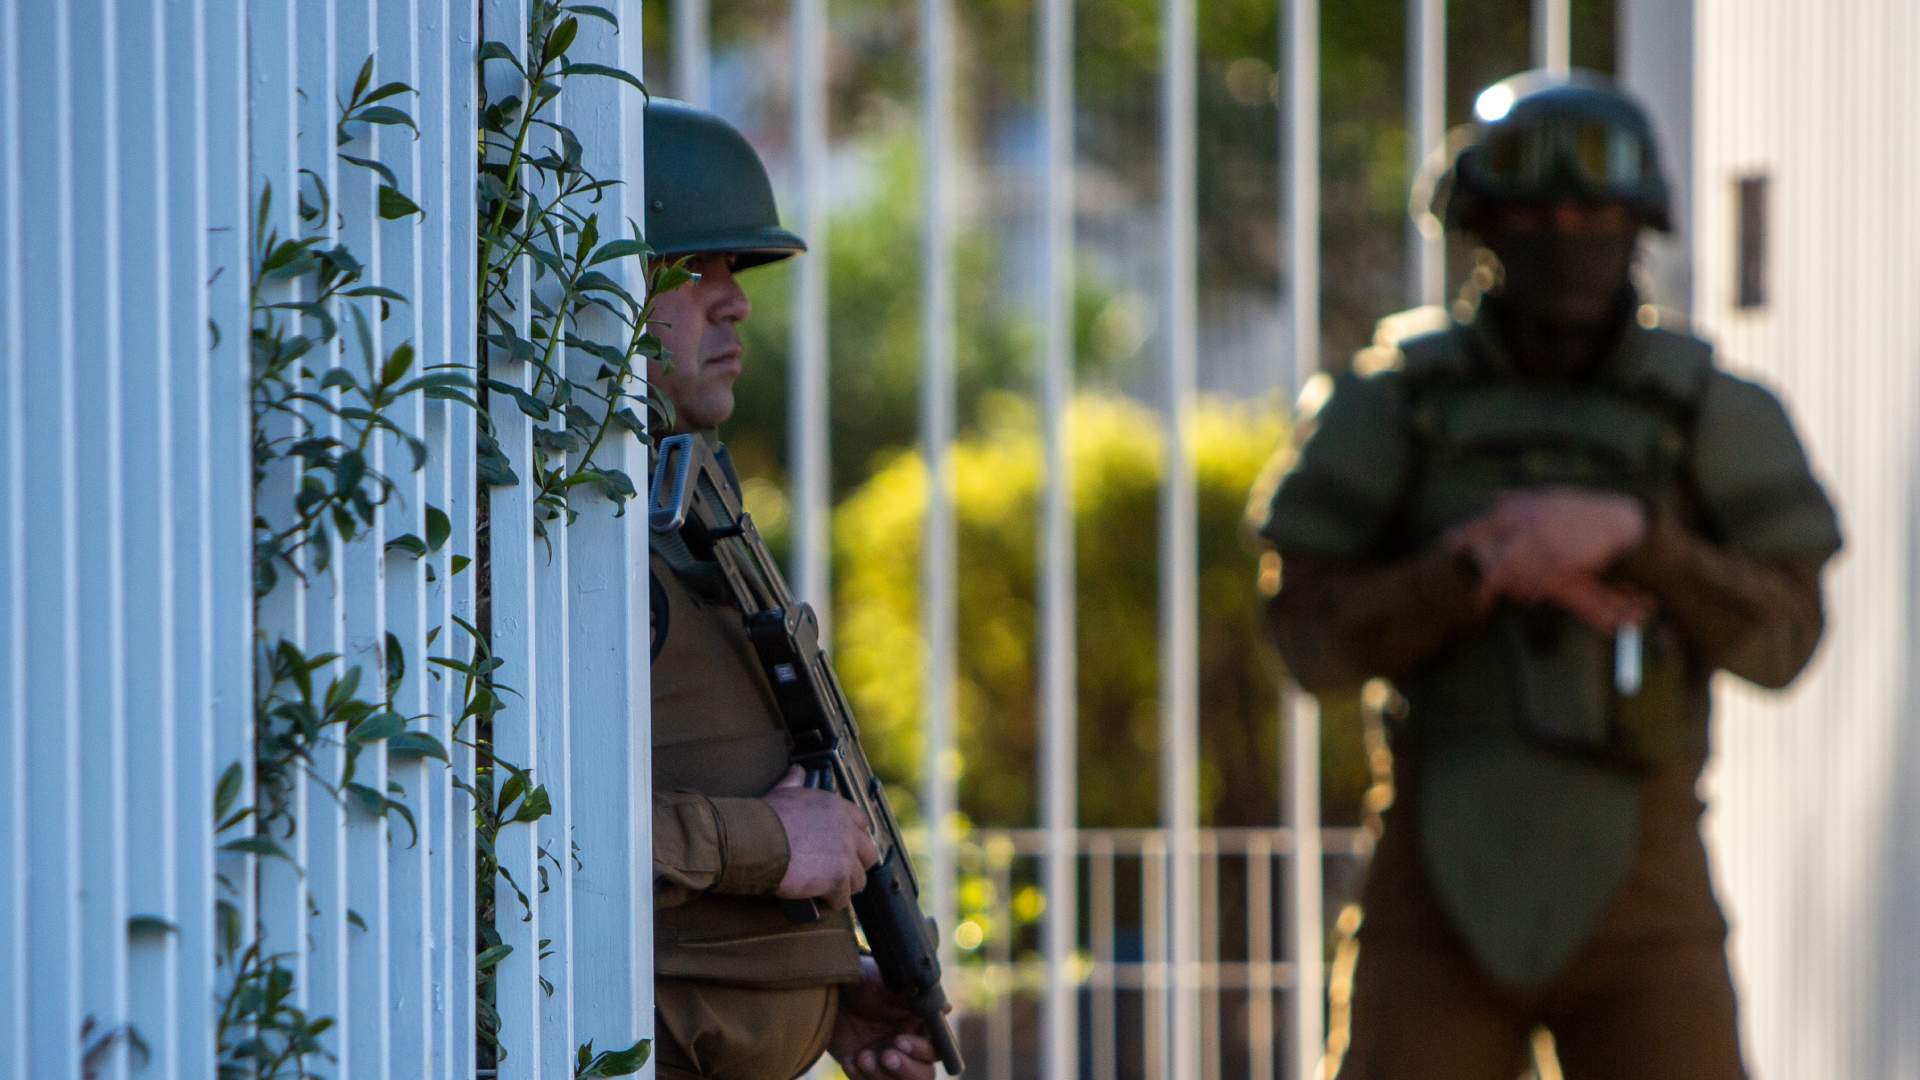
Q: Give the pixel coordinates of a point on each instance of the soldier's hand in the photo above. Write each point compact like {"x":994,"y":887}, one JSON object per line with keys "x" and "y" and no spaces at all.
{"x":875,"y":1037}
{"x":829,"y":850}
{"x":1604,"y":606}
{"x":1535,"y":542}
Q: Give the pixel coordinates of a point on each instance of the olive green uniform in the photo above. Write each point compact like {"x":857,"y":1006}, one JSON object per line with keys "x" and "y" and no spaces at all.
{"x":1542,"y":863}
{"x":742,"y":992}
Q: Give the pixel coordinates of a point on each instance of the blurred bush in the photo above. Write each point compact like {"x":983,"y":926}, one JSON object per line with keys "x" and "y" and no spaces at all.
{"x":1118,"y":461}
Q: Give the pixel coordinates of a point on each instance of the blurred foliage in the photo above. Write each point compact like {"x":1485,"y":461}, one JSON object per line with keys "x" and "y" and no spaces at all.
{"x":1117,"y":453}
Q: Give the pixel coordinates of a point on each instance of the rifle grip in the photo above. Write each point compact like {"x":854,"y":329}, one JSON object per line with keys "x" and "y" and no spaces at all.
{"x":801,"y":911}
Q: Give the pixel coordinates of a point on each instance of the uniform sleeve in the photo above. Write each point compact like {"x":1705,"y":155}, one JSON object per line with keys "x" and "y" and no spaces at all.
{"x":705,"y":844}
{"x":1337,"y":625}
{"x":1747,"y":594}
{"x":1339,"y":616}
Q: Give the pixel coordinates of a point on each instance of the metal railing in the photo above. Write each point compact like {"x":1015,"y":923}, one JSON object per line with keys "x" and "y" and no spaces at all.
{"x":1119,"y":971}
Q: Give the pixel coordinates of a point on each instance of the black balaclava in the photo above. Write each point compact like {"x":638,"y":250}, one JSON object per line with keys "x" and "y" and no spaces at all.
{"x":1560,"y":307}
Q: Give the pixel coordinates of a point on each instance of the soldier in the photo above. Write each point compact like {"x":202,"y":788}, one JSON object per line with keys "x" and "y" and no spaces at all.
{"x":1548,"y":526}
{"x":743,"y":992}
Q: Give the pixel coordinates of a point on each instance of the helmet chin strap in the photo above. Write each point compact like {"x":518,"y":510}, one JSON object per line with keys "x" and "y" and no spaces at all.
{"x":1562,"y":300}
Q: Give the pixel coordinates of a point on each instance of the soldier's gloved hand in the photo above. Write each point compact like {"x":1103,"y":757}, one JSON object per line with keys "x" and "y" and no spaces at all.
{"x":875,"y":1037}
{"x":828,"y":848}
{"x":1536,"y":542}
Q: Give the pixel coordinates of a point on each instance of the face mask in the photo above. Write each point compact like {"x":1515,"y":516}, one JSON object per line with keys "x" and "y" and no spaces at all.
{"x":1570,"y":281}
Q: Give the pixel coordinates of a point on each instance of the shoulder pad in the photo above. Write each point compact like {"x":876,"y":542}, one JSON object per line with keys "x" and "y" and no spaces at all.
{"x":1754,"y":476}
{"x":1674,"y":365}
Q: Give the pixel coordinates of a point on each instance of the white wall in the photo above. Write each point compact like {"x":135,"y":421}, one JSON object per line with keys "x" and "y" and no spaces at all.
{"x":1816,"y":794}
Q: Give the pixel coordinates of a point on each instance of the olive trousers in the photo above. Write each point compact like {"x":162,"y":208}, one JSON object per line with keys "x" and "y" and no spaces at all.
{"x":711,"y":1031}
{"x":1648,"y":997}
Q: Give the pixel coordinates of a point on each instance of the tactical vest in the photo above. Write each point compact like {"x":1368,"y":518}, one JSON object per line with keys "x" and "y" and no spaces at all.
{"x":1477,"y":434}
{"x":717,"y":730}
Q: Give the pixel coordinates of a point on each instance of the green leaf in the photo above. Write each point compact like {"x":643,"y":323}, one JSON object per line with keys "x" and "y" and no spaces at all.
{"x":497,"y":50}
{"x":365,"y":77}
{"x":381,"y":725}
{"x":410,"y":544}
{"x":607,"y":72}
{"x":227,"y":791}
{"x":376,"y":290}
{"x":538,"y":804}
{"x":368,"y":163}
{"x":613,"y":1062}
{"x":492,"y":465}
{"x":394,"y":205}
{"x":354,"y":919}
{"x":596,"y":12}
{"x":386,"y":91}
{"x":439,"y":527}
{"x":490,"y":956}
{"x":259,"y":845}
{"x":461,"y":562}
{"x":384,"y":114}
{"x":560,"y":40}
{"x":620,"y":249}
{"x":413,"y":745}
{"x":342,"y":689}
{"x":399,"y":362}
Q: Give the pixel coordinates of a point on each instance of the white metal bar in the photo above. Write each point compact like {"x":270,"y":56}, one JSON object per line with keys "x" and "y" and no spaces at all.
{"x":1155,"y":1054}
{"x":611,"y":774}
{"x":1058,"y":690}
{"x":1426,"y":127}
{"x":52,"y":943}
{"x":1000,"y":952}
{"x":1301,"y":774}
{"x":1100,"y":884}
{"x":361,"y":919}
{"x":14,"y":968}
{"x":936,"y":436}
{"x":692,"y":56}
{"x":270,"y":117}
{"x":1260,"y":1033}
{"x":1552,"y":37}
{"x":515,"y":555}
{"x":456,"y":966}
{"x":1179,"y":619}
{"x":150,"y":498}
{"x":1210,"y":1045}
{"x":96,"y":429}
{"x":404,"y":917}
{"x":217,"y":433}
{"x":808,"y":435}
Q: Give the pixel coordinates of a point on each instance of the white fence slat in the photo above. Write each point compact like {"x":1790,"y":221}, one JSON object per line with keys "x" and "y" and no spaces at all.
{"x":936,"y":439}
{"x":407,"y":901}
{"x":221,"y":437}
{"x":809,"y":430}
{"x":515,"y":557}
{"x":1552,"y":35}
{"x":609,"y":778}
{"x":52,"y":780}
{"x":366,"y":1041}
{"x":95,"y":427}
{"x":149,"y":643}
{"x":1058,"y":691}
{"x":273,"y":40}
{"x":1179,"y":604}
{"x":13,"y":542}
{"x":1300,"y":717}
{"x":1426,"y":124}
{"x":457,"y":46}
{"x":553,"y":742}
{"x":692,"y":62}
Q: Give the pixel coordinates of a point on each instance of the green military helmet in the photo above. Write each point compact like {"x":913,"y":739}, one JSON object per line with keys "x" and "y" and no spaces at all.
{"x":1541,"y":137}
{"x":707,"y":190}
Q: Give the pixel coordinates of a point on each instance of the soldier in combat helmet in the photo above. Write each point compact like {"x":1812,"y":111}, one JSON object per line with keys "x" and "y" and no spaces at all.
{"x":1548,"y":526}
{"x":742,"y":991}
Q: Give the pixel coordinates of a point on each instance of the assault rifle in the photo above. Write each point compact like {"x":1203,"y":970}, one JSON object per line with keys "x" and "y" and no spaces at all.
{"x":695,"y":494}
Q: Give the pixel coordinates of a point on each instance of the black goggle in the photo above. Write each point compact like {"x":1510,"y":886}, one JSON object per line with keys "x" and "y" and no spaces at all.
{"x":1594,"y":156}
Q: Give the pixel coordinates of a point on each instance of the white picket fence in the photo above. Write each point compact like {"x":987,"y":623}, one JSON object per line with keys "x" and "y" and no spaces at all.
{"x":140,"y":140}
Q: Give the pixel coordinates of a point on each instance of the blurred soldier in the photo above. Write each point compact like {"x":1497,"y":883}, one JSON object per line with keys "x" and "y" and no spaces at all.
{"x":1548,"y":526}
{"x":743,"y":992}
